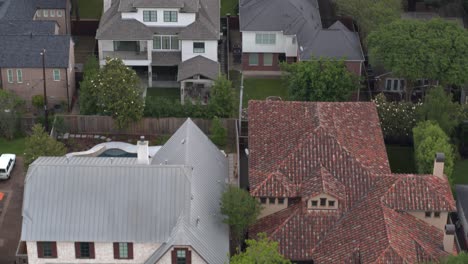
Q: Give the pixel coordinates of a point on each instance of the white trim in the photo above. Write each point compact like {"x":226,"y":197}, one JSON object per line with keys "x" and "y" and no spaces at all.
{"x":10,"y":76}
{"x":19,"y":72}
{"x":53,"y":74}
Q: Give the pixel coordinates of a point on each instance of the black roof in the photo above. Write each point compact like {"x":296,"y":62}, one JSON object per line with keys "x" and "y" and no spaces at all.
{"x":462,"y":196}
{"x":26,"y":27}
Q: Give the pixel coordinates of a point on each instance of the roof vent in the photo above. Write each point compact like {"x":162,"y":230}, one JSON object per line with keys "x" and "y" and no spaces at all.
{"x":183,"y":141}
{"x":198,"y":220}
{"x":111,"y":160}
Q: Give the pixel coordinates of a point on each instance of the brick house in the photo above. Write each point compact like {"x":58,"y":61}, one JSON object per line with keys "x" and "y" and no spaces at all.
{"x":144,"y":210}
{"x":26,"y":28}
{"x":290,"y":31}
{"x":321,"y":172}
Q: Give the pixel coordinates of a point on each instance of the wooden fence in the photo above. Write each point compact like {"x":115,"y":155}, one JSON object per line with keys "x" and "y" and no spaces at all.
{"x":84,"y":124}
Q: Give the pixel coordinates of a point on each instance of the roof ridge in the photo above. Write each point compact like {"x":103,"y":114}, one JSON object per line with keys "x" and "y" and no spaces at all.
{"x":287,"y":219}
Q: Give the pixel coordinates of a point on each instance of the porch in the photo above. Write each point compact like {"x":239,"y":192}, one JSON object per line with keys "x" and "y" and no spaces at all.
{"x":164,"y":77}
{"x":195,"y":90}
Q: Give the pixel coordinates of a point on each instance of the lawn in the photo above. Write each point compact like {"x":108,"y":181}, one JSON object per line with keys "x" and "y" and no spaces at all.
{"x":260,"y":89}
{"x":15,"y":146}
{"x":460,"y":172}
{"x":90,"y":9}
{"x":170,"y":93}
{"x":401,"y":159}
{"x":229,"y":6}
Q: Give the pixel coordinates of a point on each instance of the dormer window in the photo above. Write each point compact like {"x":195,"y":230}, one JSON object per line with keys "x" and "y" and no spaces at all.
{"x":263,"y":200}
{"x":170,"y":16}
{"x":314,"y":203}
{"x":323,"y":201}
{"x":150,"y":16}
{"x":271,"y":200}
{"x":331,"y":203}
{"x":437,"y":214}
{"x":280,"y":200}
{"x":427,"y":214}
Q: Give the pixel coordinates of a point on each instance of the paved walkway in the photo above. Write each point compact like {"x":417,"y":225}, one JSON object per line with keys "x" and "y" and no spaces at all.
{"x":10,"y":218}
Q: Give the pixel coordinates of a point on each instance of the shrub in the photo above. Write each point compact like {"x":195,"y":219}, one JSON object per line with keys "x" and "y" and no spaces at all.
{"x":40,"y":144}
{"x":429,"y":139}
{"x":218,"y":132}
{"x":38,"y":101}
{"x":162,"y":107}
{"x":11,"y":109}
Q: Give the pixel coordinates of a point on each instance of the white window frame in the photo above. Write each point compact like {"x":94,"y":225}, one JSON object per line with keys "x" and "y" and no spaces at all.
{"x":256,"y":64}
{"x":59,"y":13}
{"x":19,"y":75}
{"x":45,"y":13}
{"x":53,"y":74}
{"x":170,"y":15}
{"x":265,"y":38}
{"x":269,"y":54}
{"x":399,"y":88}
{"x":38,"y":13}
{"x":52,"y":13}
{"x":171,"y":38}
{"x":10,"y":75}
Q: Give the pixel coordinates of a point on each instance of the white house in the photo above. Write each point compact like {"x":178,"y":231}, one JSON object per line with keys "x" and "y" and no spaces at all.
{"x":158,"y":38}
{"x":129,"y":210}
{"x":275,"y":31}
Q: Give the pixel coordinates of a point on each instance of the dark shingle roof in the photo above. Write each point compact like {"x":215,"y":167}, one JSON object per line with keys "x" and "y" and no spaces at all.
{"x":58,"y":4}
{"x":166,"y":58}
{"x":24,"y":51}
{"x":198,"y":65}
{"x":27,"y":27}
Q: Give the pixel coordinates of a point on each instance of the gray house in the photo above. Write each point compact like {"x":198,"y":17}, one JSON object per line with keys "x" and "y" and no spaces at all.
{"x":129,"y":210}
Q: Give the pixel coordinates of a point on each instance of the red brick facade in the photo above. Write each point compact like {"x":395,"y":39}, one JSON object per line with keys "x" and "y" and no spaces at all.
{"x":354,"y":67}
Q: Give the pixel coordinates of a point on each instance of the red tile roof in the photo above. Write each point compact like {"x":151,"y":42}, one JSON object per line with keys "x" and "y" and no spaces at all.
{"x":302,"y":149}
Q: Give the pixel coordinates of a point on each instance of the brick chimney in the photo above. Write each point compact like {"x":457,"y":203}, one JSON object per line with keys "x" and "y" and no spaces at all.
{"x":449,"y":238}
{"x":143,"y":151}
{"x":439,"y":165}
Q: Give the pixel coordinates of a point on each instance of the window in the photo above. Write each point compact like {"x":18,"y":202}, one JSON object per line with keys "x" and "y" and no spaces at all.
{"x":323,"y":201}
{"x":314,"y":203}
{"x":170,"y":16}
{"x":46,"y":250}
{"x":150,"y":16}
{"x":19,"y":75}
{"x":45,"y":13}
{"x":181,"y":256}
{"x":267,"y":59}
{"x":280,"y":200}
{"x":394,"y":85}
{"x":38,"y":13}
{"x":428,"y":214}
{"x":437,"y":214}
{"x":52,"y":13}
{"x":56,"y":75}
{"x":271,"y":200}
{"x":263,"y":200}
{"x":253,"y":59}
{"x":59,"y":13}
{"x":165,"y":42}
{"x":422,"y":82}
{"x":10,"y":75}
{"x":265,"y":38}
{"x":331,"y":203}
{"x":127,"y":46}
{"x":123,"y":250}
{"x":84,"y":250}
{"x":199,"y":47}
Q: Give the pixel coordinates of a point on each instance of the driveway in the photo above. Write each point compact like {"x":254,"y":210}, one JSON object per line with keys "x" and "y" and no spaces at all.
{"x":10,"y":213}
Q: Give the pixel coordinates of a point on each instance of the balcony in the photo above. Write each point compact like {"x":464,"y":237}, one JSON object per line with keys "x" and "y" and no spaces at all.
{"x":126,"y":55}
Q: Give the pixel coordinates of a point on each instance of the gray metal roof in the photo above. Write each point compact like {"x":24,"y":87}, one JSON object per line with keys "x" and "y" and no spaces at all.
{"x":206,"y":26}
{"x":210,"y":237}
{"x":166,"y":58}
{"x":302,"y":19}
{"x":27,"y":27}
{"x":64,"y":201}
{"x":23,"y":51}
{"x":198,"y":65}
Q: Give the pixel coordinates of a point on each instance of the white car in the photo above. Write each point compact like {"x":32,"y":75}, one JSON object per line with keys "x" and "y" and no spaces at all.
{"x":7,"y":162}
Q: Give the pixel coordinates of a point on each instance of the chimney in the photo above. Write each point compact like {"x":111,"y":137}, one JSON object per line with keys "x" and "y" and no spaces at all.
{"x":439,"y":165}
{"x":142,"y":151}
{"x":107,"y":5}
{"x":449,"y":238}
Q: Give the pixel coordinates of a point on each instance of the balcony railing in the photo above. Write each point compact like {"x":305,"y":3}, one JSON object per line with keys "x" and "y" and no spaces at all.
{"x":126,"y":55}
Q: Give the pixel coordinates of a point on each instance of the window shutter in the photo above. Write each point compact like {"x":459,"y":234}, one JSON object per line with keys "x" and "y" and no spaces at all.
{"x":174,"y":256}
{"x":130,"y":250}
{"x":188,"y":255}
{"x":77,"y":250}
{"x":40,"y":251}
{"x":54,"y":249}
{"x":91,"y":250}
{"x":116,"y":251}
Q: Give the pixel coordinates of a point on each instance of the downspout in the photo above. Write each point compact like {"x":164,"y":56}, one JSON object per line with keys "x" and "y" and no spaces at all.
{"x":68,"y":93}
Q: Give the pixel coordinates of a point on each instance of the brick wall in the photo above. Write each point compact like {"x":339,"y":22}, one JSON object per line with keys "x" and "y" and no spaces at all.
{"x":260,"y":67}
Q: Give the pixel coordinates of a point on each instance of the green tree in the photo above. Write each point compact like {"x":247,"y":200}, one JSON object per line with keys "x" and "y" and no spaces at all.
{"x":439,"y":107}
{"x":241,"y":211}
{"x":11,"y":109}
{"x":261,"y":251}
{"x":38,"y":101}
{"x":223,"y":100}
{"x":430,"y":139}
{"x":88,"y":104}
{"x":370,"y":14}
{"x":218,"y":132}
{"x":117,"y":93}
{"x":40,"y":144}
{"x":414,"y":49}
{"x":461,"y":258}
{"x":319,"y":80}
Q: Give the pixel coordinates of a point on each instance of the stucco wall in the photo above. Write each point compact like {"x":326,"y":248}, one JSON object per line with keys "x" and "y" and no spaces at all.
{"x":104,"y":253}
{"x":61,"y":21}
{"x":271,"y":208}
{"x":183,"y":19}
{"x":211,"y":49}
{"x":167,"y":258}
{"x":437,"y":222}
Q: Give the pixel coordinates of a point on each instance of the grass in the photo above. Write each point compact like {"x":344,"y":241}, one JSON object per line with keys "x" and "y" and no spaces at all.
{"x":170,"y":93}
{"x":401,"y":159}
{"x":229,"y":6}
{"x":15,"y":146}
{"x":460,"y":172}
{"x":90,"y":9}
{"x":260,"y":89}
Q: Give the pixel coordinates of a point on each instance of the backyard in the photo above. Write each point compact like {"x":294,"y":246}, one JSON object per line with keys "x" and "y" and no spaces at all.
{"x":228,"y":6}
{"x":169,"y":93}
{"x":260,"y":89}
{"x":90,"y":9}
{"x":15,"y":146}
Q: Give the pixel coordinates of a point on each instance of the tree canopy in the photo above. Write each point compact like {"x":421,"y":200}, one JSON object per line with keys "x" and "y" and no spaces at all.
{"x":11,"y":108}
{"x":414,"y":49}
{"x":319,"y":80}
{"x":223,"y":100}
{"x":88,"y":104}
{"x":370,"y":14}
{"x":115,"y":91}
{"x":39,"y":143}
{"x":430,"y":139}
{"x":260,"y":251}
{"x":461,"y":258}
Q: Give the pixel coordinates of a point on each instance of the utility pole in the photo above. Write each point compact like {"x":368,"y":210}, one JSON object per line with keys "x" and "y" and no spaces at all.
{"x":46,"y":111}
